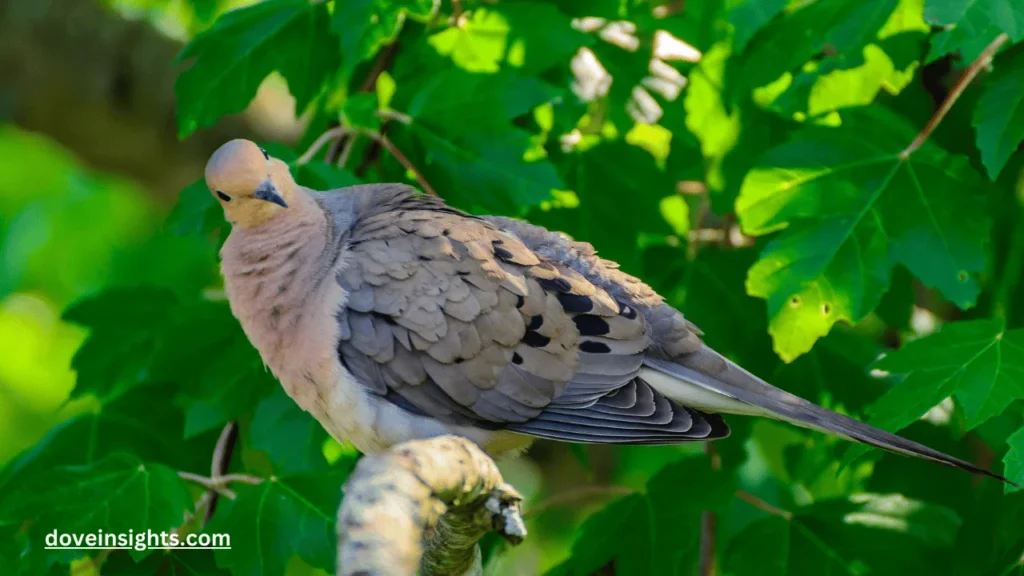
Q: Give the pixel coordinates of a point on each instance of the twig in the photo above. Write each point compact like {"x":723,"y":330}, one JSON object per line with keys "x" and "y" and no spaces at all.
{"x":219,"y":483}
{"x":328,"y":136}
{"x":421,"y":507}
{"x":761,"y":504}
{"x":219,"y":466}
{"x":576,"y":495}
{"x":983,"y":60}
{"x":346,"y":151}
{"x":337,"y":153}
{"x":708,"y":524}
{"x":391,"y":148}
{"x":387,"y":144}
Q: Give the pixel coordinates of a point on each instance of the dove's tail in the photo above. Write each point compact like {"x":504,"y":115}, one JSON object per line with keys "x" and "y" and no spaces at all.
{"x":733,"y":390}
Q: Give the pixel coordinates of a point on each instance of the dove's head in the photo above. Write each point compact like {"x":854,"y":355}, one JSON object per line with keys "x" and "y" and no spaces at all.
{"x":251,"y":186}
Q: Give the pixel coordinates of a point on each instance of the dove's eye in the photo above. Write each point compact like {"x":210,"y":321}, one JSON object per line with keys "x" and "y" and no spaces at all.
{"x":265,"y":155}
{"x":223,"y":196}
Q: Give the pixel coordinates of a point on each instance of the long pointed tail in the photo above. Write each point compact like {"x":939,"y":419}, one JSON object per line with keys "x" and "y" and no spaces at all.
{"x":734,"y":390}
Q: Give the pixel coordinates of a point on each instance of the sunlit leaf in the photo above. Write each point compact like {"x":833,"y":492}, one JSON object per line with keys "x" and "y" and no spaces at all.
{"x":853,"y":206}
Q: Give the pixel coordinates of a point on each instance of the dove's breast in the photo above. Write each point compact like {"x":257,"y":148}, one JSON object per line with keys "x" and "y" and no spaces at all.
{"x":287,"y":302}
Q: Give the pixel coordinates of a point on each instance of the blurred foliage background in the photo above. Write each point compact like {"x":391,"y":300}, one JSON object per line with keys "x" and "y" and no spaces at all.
{"x":777,"y":169}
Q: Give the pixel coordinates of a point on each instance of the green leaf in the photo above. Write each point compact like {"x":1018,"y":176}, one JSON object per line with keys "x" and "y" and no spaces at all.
{"x":978,"y":361}
{"x":196,"y":212}
{"x":999,"y":115}
{"x":853,"y":207}
{"x":786,"y":43}
{"x":289,"y":435}
{"x":360,"y":110}
{"x":865,"y":533}
{"x":749,"y":16}
{"x":620,"y":189}
{"x":132,"y":423}
{"x":485,"y":171}
{"x":171,"y":563}
{"x":124,"y":324}
{"x":115,"y":495}
{"x":655,"y":532}
{"x":1014,"y":461}
{"x":280,"y":518}
{"x":972,"y":25}
{"x":530,"y":36}
{"x":454,"y":102}
{"x":853,"y":77}
{"x":365,"y":26}
{"x":233,"y":57}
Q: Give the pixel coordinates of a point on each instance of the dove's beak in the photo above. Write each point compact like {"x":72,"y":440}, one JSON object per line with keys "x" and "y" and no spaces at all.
{"x":268,"y":192}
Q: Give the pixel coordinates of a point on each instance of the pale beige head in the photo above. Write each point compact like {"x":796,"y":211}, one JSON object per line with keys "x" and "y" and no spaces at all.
{"x":251,"y":186}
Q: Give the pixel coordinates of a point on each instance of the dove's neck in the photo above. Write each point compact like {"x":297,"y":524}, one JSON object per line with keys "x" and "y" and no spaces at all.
{"x":274,"y":276}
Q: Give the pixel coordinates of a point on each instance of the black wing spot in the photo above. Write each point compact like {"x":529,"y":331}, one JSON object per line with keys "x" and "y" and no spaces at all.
{"x":575,"y":303}
{"x":590,"y":325}
{"x":536,"y":322}
{"x":516,"y":358}
{"x":503,"y":254}
{"x":556,"y":285}
{"x":387,"y":318}
{"x":520,"y":301}
{"x":626,"y":311}
{"x":594,"y":347}
{"x":535,"y":339}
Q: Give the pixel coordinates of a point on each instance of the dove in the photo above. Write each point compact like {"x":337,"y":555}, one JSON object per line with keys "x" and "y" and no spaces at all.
{"x":390,"y":316}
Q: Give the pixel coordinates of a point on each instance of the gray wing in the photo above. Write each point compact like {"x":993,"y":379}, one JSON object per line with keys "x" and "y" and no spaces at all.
{"x":452,"y":317}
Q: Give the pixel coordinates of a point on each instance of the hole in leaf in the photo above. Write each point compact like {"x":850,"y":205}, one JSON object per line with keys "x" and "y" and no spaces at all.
{"x":794,"y":301}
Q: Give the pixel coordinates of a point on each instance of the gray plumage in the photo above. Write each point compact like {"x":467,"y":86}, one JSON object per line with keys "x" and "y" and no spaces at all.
{"x":440,"y":321}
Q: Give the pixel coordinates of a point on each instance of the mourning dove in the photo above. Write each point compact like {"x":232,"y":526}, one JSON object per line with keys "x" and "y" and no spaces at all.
{"x":391,"y":316}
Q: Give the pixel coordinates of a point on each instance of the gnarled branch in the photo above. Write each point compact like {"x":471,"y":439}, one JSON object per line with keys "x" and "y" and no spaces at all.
{"x":424,"y":505}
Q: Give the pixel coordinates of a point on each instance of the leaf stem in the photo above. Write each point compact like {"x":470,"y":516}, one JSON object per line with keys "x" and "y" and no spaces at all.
{"x":968,"y":76}
{"x":761,"y":504}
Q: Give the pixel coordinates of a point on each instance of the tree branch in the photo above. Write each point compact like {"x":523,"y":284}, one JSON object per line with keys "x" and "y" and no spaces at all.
{"x":424,"y":505}
{"x":983,"y":60}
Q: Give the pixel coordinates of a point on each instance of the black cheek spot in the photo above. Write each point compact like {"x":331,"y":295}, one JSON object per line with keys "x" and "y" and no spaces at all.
{"x":516,"y":358}
{"x":535,"y":340}
{"x":223,"y":196}
{"x":555,"y":285}
{"x":575,"y":304}
{"x":536,"y":322}
{"x":590,"y":325}
{"x":265,"y":155}
{"x":594,"y":347}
